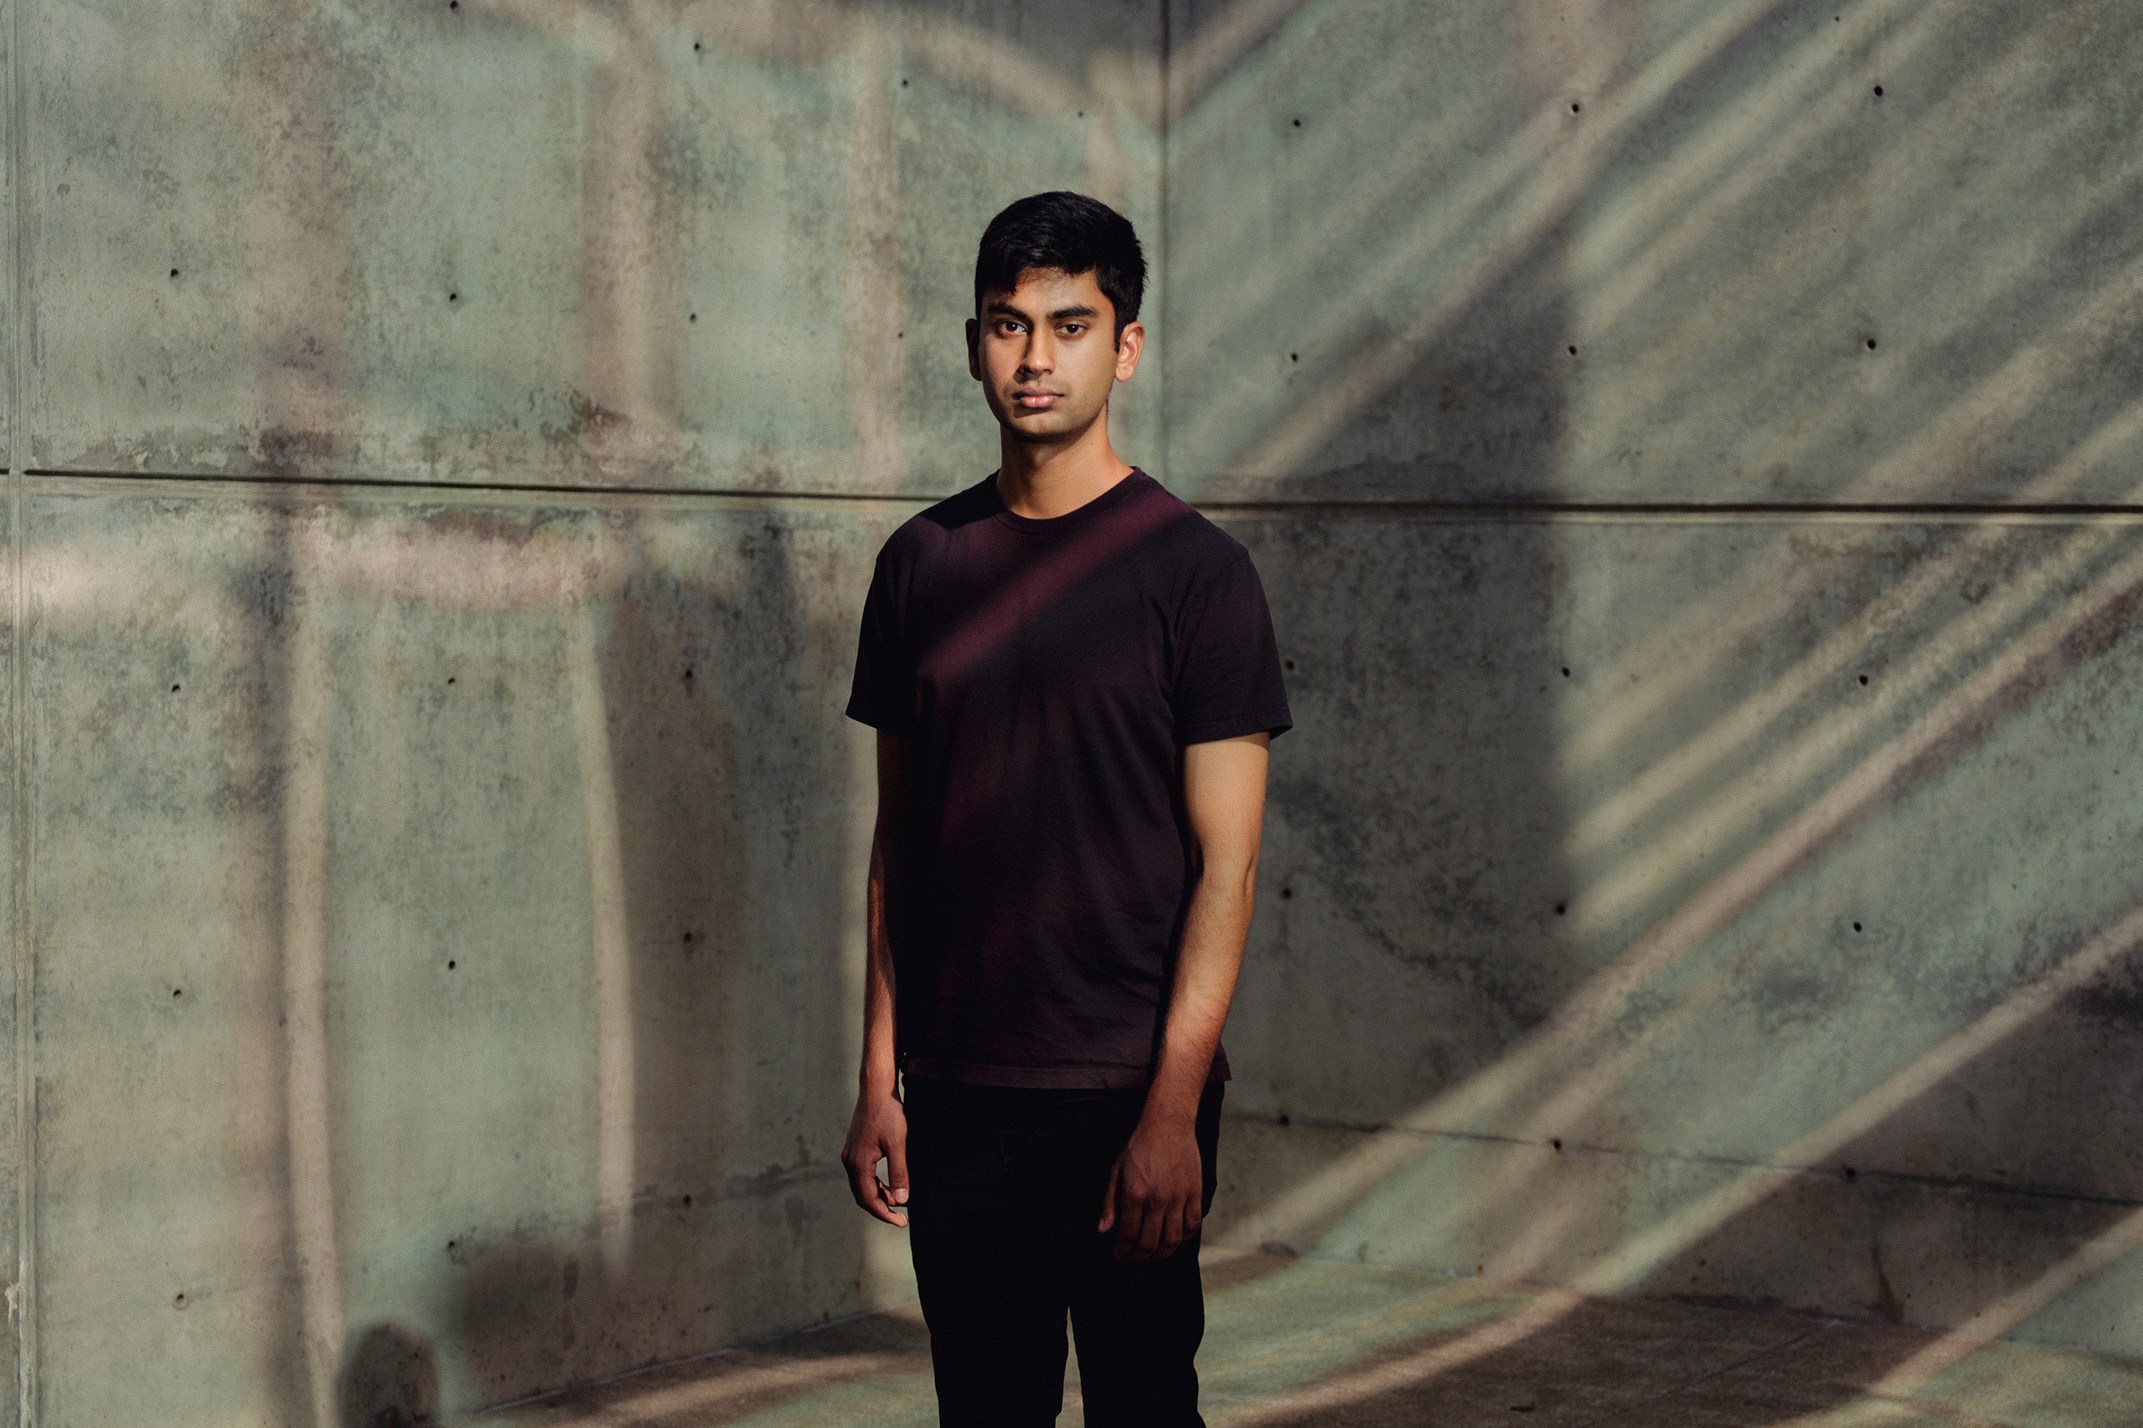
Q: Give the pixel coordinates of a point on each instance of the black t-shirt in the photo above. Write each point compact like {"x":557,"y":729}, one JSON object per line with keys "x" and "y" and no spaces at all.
{"x":1044,"y":676}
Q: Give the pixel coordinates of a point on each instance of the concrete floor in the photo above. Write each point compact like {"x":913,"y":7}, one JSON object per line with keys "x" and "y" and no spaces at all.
{"x":1293,"y":1343}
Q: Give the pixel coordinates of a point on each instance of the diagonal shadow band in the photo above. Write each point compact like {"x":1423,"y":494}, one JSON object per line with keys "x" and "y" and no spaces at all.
{"x":1560,"y":1066}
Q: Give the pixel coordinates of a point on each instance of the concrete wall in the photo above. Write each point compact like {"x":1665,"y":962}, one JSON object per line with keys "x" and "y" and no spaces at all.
{"x":447,"y":443}
{"x":1694,"y":452}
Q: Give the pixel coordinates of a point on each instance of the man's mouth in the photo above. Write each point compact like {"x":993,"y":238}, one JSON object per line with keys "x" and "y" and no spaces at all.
{"x":1036,"y":400}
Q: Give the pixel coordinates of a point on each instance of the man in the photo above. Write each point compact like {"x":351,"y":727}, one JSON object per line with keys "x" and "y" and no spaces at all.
{"x":1074,"y":679}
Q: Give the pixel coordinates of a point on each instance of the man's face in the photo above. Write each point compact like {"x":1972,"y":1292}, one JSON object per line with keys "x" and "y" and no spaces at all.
{"x":1047,"y":354}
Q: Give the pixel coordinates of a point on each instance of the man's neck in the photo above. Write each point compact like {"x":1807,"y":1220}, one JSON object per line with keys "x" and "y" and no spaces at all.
{"x":1041,"y":482}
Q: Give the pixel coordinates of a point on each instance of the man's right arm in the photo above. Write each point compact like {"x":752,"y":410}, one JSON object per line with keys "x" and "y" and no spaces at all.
{"x":879,"y":1129}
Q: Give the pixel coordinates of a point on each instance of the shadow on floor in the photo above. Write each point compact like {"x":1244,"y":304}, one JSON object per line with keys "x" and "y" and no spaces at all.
{"x":1296,"y":1343}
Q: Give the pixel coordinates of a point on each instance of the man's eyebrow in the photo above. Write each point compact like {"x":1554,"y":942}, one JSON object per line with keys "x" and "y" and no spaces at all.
{"x":1055,"y":315}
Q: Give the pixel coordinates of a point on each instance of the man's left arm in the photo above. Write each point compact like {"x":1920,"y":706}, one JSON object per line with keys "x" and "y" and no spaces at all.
{"x":1155,"y":1197}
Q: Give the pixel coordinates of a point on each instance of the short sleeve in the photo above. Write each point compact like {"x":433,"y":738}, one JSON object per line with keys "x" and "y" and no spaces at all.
{"x":882,"y":694}
{"x":1228,"y":665}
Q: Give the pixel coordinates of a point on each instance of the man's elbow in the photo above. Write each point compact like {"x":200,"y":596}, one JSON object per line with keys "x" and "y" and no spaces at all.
{"x":1231,"y":874}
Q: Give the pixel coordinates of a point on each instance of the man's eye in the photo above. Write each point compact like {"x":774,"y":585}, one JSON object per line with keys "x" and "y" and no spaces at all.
{"x":1072,"y":329}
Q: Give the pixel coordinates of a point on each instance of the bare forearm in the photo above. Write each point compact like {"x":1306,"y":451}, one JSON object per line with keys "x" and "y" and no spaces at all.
{"x":878,"y":1070}
{"x":1208,"y":960}
{"x":878,"y":1131}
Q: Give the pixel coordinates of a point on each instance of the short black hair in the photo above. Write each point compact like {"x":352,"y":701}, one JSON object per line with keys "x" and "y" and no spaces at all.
{"x":1070,"y":233}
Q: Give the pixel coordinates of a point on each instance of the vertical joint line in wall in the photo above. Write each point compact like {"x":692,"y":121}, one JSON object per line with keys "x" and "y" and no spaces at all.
{"x":22,"y":1299}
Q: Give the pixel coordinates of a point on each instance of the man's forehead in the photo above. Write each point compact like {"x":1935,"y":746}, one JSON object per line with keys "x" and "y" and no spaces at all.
{"x":1051,"y":287}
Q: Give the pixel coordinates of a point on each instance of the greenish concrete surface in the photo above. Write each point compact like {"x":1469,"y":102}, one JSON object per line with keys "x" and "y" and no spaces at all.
{"x":1702,"y":868}
{"x":429,"y":871}
{"x":1701,"y":250}
{"x":705,"y":246}
{"x":1594,"y":995}
{"x":1304,"y":1343}
{"x":1693,"y":451}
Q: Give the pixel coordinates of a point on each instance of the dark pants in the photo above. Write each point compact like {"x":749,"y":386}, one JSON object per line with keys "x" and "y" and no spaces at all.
{"x":1005,"y":1189}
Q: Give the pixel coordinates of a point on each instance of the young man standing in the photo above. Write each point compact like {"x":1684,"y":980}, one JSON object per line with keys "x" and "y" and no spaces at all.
{"x":1074,"y":679}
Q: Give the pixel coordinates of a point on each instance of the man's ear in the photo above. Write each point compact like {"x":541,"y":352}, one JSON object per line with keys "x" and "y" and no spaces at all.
{"x":974,"y":352}
{"x":1129,"y":343}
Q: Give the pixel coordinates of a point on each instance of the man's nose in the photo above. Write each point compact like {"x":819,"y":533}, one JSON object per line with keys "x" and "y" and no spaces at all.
{"x":1038,"y":358}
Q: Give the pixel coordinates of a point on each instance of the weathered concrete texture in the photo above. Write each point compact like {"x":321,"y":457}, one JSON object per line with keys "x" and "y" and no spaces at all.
{"x":9,"y":419}
{"x":445,"y":912}
{"x":1872,"y":1246}
{"x":12,"y":1143}
{"x":460,"y":898}
{"x":720,"y":246}
{"x":1685,"y":252}
{"x":1294,"y":1344}
{"x":1733,"y":907}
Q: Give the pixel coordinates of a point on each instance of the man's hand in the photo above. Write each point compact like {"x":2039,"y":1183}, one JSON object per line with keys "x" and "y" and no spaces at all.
{"x":878,"y":1131}
{"x":1156,"y":1191}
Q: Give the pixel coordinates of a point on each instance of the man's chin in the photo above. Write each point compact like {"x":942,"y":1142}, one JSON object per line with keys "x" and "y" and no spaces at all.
{"x":1043,"y":428}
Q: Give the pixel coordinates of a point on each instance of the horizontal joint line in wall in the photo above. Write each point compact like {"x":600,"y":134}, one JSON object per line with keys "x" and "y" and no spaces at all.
{"x":231,"y":481}
{"x":1310,"y":506}
{"x":1825,"y":1169}
{"x":1679,"y":510}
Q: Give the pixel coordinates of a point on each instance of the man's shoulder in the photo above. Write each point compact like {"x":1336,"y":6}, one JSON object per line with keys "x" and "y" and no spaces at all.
{"x":928,"y":530}
{"x":1188,"y":537}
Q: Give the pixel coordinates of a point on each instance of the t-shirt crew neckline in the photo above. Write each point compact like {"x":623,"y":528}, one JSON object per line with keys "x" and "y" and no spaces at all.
{"x":1077,"y":516}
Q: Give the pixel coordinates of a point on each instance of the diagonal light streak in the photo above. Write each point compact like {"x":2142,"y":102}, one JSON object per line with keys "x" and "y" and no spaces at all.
{"x":1696,"y":635}
{"x":1983,"y":283}
{"x":1550,"y":183}
{"x":1215,"y":56}
{"x":1637,"y":797}
{"x":1566,"y":1045}
{"x":1995,"y":403}
{"x":2018,"y":671}
{"x":1388,"y":1375}
{"x":1627,"y":1266}
{"x":1772,"y":113}
{"x":1246,"y":277}
{"x":1670,"y":853}
{"x":733,"y":1376}
{"x":1798,"y":266}
{"x":2096,"y":1255}
{"x":1641,"y":230}
{"x":1461,"y":209}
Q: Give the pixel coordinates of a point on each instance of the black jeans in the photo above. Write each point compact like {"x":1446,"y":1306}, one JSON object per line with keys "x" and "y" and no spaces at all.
{"x":1005,"y":1189}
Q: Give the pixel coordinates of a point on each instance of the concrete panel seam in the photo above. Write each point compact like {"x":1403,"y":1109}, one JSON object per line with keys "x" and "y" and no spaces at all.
{"x":1962,"y":1184}
{"x":1451,"y":512}
{"x":1578,"y":513}
{"x":185,"y":483}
